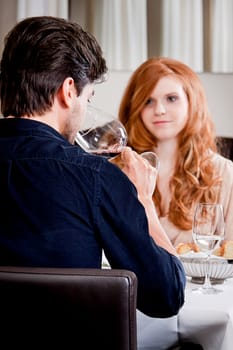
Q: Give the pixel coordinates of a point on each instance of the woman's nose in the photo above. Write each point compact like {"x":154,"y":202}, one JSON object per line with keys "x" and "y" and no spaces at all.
{"x":159,"y":109}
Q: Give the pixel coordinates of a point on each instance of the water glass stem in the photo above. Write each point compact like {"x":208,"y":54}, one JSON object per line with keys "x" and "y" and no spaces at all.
{"x":207,"y":282}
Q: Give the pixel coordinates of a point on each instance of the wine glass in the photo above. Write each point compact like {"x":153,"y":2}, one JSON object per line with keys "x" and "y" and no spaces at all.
{"x":208,"y":232}
{"x":152,"y":158}
{"x":101,"y":133}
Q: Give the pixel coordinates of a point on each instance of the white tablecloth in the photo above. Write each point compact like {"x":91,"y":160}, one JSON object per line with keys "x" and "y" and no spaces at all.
{"x":156,"y":333}
{"x":204,"y":319}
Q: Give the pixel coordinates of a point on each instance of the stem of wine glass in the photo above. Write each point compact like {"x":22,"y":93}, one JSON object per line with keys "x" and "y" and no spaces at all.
{"x":207,"y":282}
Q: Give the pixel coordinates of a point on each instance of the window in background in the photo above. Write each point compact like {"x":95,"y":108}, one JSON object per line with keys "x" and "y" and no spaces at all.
{"x":221,"y":33}
{"x":28,"y":8}
{"x":198,"y":32}
{"x":175,"y":29}
{"x":120,"y":27}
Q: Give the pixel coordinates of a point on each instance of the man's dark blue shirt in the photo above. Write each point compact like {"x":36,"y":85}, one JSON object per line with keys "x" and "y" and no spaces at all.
{"x":61,"y":207}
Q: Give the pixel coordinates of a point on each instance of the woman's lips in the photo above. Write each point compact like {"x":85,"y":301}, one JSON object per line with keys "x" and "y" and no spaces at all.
{"x":161,"y":122}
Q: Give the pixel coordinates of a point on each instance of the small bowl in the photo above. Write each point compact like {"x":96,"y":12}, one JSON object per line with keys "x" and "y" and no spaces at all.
{"x":195,"y":266}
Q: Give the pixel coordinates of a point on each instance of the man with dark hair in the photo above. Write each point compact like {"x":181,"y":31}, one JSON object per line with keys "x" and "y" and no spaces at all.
{"x":62,"y":207}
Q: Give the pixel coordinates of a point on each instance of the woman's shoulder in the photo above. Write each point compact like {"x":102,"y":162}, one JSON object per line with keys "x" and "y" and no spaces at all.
{"x":222,"y":163}
{"x":224,"y":168}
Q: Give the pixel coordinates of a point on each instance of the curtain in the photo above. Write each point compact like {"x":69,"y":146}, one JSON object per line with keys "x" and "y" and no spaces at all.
{"x":182,"y":31}
{"x":222,"y":36}
{"x":28,"y":8}
{"x":121,"y":29}
{"x":197,"y":32}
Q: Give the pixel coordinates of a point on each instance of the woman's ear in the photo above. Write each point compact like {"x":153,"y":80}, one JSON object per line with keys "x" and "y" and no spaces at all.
{"x":67,"y":92}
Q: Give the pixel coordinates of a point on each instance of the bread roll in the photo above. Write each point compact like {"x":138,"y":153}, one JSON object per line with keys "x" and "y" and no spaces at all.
{"x":218,"y":251}
{"x":183,"y":248}
{"x":227,"y":249}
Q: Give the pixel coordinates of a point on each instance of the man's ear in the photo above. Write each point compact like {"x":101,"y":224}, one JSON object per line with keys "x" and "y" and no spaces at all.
{"x":67,"y":92}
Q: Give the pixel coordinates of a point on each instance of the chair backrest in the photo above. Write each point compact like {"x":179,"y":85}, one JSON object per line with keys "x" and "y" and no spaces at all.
{"x":225,"y":146}
{"x":63,"y":307}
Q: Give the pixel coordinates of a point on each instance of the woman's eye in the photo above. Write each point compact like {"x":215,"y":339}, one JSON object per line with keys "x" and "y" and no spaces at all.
{"x":149,"y":102}
{"x":172,"y":98}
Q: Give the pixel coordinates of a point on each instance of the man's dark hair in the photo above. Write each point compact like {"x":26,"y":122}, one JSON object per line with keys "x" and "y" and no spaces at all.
{"x":39,"y":54}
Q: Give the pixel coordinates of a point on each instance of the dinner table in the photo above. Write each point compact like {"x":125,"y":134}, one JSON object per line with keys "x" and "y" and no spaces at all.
{"x":204,"y":319}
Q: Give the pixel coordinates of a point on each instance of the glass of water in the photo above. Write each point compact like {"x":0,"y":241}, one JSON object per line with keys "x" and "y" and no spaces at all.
{"x":208,"y":232}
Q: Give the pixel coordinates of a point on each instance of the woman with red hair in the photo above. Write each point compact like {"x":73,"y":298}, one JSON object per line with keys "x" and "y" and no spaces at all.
{"x":164,"y":109}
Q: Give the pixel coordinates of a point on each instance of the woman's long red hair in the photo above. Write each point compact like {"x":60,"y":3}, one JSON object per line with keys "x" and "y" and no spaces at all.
{"x":194,"y":179}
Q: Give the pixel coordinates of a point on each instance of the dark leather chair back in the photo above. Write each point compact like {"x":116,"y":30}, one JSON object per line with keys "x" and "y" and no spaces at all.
{"x":68,"y":308}
{"x":225,"y":146}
